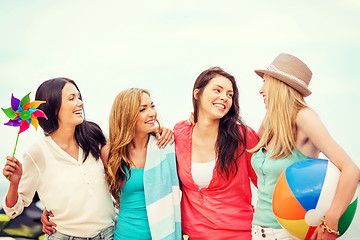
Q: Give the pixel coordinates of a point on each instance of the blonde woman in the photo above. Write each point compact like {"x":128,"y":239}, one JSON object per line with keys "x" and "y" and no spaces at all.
{"x":292,"y":132}
{"x":141,"y":176}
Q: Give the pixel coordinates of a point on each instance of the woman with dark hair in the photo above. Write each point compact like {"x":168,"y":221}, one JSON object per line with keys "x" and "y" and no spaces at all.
{"x":64,"y":168}
{"x":213,"y":164}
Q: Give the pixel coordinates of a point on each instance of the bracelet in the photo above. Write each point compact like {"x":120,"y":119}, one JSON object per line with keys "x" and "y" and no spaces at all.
{"x":326,"y":227}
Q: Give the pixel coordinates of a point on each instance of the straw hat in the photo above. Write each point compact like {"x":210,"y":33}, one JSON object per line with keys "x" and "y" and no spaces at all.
{"x":290,"y":70}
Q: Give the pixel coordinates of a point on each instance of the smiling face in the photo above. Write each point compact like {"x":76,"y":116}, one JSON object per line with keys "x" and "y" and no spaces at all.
{"x":71,"y":110}
{"x":265,"y":89}
{"x":146,"y":119}
{"x":216,"y":98}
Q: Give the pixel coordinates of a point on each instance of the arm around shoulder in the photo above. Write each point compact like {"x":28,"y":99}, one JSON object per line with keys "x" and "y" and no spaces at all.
{"x":251,"y":141}
{"x":250,"y":136}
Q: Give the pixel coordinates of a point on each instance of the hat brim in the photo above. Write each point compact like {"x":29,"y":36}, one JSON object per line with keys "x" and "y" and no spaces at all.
{"x":287,"y":80}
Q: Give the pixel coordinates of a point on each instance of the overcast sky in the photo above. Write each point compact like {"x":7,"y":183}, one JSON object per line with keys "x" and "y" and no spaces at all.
{"x":107,"y":46}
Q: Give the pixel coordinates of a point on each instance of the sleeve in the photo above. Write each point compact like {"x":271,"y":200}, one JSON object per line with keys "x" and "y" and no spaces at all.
{"x":178,"y":129}
{"x":27,"y":187}
{"x":252,"y":139}
{"x":181,"y":130}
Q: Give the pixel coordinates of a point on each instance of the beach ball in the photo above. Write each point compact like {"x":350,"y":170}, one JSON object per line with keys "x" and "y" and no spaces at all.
{"x":303,"y":195}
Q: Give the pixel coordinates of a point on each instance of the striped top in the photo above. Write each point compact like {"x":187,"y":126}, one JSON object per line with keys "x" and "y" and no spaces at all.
{"x":162,"y":192}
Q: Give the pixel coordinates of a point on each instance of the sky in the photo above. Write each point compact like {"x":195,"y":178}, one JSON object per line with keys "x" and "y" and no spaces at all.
{"x":162,"y":46}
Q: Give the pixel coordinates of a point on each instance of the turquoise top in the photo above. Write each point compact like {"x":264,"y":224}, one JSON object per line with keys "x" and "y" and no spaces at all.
{"x":268,"y":172}
{"x":132,"y":220}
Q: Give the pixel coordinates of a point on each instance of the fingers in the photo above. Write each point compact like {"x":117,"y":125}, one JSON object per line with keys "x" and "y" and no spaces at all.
{"x":172,"y":140}
{"x":48,"y":227}
{"x":160,"y":136}
{"x":11,"y":166}
{"x":191,"y":120}
{"x":46,"y":231}
{"x":45,"y":217}
{"x":11,"y":158}
{"x":10,"y":161}
{"x":322,"y":235}
{"x":166,"y":137}
{"x":162,"y":142}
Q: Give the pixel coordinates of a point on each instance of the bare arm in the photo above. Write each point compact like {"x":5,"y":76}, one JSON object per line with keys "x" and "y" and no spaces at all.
{"x":13,"y":171}
{"x":309,"y":123}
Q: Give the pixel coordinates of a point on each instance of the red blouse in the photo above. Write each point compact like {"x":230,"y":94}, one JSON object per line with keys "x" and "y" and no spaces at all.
{"x":223,"y":210}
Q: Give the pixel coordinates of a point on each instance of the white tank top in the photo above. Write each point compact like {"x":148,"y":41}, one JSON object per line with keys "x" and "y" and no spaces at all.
{"x":202,"y":173}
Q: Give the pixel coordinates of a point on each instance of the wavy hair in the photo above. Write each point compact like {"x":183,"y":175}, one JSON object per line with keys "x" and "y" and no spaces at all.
{"x":230,"y":142}
{"x":123,"y":116}
{"x":88,"y":135}
{"x":283,"y":105}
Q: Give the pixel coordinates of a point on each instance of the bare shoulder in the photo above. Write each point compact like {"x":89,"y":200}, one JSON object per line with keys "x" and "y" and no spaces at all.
{"x":307,"y":117}
{"x":105,"y":150}
{"x":305,"y":113}
{"x":309,"y":126}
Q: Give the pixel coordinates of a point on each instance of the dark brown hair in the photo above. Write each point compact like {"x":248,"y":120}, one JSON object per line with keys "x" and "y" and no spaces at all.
{"x":230,"y":143}
{"x":88,"y":135}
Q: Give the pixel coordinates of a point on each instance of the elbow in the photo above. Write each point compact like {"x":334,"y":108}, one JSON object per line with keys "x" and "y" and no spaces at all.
{"x":352,"y":171}
{"x":356,"y":173}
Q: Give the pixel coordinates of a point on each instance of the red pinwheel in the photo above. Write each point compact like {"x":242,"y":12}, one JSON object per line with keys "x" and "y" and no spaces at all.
{"x":22,"y":113}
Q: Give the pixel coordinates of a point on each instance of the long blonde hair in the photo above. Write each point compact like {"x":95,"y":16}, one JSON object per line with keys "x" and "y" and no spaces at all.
{"x":283,"y":105}
{"x":123,"y":116}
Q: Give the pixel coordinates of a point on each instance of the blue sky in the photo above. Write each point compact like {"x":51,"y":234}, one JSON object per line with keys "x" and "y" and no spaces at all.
{"x":107,"y":46}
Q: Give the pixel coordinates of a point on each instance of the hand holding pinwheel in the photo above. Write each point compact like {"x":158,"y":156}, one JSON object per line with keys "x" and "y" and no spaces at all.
{"x":22,"y":113}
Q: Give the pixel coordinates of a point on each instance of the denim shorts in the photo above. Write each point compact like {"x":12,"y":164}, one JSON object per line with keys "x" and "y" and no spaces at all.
{"x":106,"y":234}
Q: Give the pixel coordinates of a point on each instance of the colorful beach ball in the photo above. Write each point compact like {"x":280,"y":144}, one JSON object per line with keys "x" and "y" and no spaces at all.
{"x":303,"y":195}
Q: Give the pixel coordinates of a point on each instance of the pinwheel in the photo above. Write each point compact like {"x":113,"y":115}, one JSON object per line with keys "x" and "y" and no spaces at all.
{"x":22,"y":113}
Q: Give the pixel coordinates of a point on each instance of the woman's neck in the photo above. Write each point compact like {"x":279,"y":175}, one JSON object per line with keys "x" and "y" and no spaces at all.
{"x":204,"y":138}
{"x":64,"y":137}
{"x":140,"y":141}
{"x":137,"y":150}
{"x":207,"y":128}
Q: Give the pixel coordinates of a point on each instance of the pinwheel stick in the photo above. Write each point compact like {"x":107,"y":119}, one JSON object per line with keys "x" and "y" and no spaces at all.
{"x":17,"y":139}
